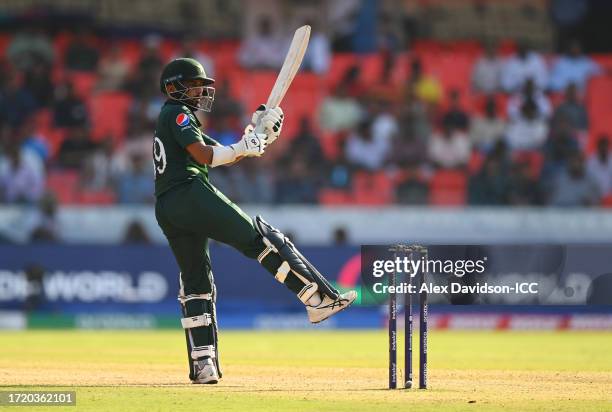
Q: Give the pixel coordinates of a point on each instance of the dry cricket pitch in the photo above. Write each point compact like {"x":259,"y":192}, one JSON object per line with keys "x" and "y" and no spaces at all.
{"x":312,"y":371}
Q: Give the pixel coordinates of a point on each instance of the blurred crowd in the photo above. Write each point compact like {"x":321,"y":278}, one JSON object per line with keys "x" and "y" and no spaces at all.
{"x":523,"y":140}
{"x":517,"y":135}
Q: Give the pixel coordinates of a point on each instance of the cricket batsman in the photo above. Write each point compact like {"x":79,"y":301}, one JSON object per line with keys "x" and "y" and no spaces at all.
{"x":190,"y":211}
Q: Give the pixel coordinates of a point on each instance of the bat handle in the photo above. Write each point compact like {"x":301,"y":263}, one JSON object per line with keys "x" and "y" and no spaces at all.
{"x":258,"y":126}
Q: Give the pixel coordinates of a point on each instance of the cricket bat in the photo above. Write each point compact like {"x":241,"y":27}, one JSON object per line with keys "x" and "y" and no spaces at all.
{"x":292,"y":62}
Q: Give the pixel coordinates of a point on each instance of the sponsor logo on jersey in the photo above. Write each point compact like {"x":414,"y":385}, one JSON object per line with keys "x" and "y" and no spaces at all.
{"x":182,"y":119}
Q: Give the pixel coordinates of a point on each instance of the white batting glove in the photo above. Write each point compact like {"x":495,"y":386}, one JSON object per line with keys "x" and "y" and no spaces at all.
{"x":268,"y":121}
{"x":252,"y":144}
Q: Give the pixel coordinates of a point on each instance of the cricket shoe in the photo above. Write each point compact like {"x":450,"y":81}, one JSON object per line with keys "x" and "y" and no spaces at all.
{"x":329,"y":306}
{"x":206,"y":371}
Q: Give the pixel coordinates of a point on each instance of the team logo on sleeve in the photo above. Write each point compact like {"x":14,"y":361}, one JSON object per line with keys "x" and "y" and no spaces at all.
{"x":182,"y":119}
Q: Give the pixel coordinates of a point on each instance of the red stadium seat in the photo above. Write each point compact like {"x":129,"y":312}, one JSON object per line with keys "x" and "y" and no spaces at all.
{"x":102,"y":197}
{"x":371,"y":69}
{"x":466,"y":47}
{"x":5,"y":39}
{"x":330,"y":144}
{"x":506,"y":47}
{"x":448,"y":188}
{"x":224,"y":54}
{"x":55,"y":138}
{"x":373,"y":189}
{"x":109,"y":112}
{"x":83,"y":83}
{"x":533,"y":158}
{"x":606,"y":201}
{"x":605,"y":61}
{"x":257,"y":88}
{"x":60,"y":44}
{"x":131,"y":51}
{"x":302,"y":100}
{"x":599,"y":102}
{"x":168,"y":49}
{"x":475,"y":162}
{"x":64,"y":185}
{"x":43,"y":119}
{"x":335,"y":197}
{"x":339,"y":65}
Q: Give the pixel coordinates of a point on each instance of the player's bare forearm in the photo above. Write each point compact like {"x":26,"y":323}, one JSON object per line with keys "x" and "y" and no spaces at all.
{"x":201,"y":153}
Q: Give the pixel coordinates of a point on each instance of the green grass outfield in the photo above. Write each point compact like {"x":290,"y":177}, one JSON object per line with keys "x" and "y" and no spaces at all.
{"x":312,"y":371}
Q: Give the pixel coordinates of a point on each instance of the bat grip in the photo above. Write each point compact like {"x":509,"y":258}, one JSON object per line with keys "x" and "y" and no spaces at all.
{"x":258,"y":126}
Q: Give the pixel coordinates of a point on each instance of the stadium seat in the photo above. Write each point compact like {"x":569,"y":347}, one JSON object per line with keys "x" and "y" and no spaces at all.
{"x":302,"y":100}
{"x":373,"y":189}
{"x":329,"y":144}
{"x":466,"y":47}
{"x":102,"y":197}
{"x":109,"y":112}
{"x":448,"y":188}
{"x":599,"y":102}
{"x":54,"y":138}
{"x":606,"y":201}
{"x":335,"y":197}
{"x":237,"y":78}
{"x":64,"y":185}
{"x":475,"y":162}
{"x":605,"y":61}
{"x":43,"y":119}
{"x":131,"y":51}
{"x":339,"y":65}
{"x":168,"y":49}
{"x":371,"y":69}
{"x":4,"y":42}
{"x":224,"y":53}
{"x":60,"y":44}
{"x":257,"y":88}
{"x":83,"y":83}
{"x":535,"y":160}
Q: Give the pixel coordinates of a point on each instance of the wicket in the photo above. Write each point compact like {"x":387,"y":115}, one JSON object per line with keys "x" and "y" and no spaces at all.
{"x":420,"y":252}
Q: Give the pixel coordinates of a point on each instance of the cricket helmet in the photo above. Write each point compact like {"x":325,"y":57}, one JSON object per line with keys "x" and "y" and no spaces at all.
{"x":180,"y":70}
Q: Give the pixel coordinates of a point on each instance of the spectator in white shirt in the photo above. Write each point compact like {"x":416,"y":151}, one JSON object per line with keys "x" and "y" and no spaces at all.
{"x":339,"y":111}
{"x":264,"y":49}
{"x":488,"y":129}
{"x":22,"y":178}
{"x":573,"y":67}
{"x":486,"y":75}
{"x":112,"y":71}
{"x":525,"y":64}
{"x":529,"y":91}
{"x":384,"y":123}
{"x":363,"y":151}
{"x":599,"y":165}
{"x":449,"y":149}
{"x":529,"y":130}
{"x":318,"y":54}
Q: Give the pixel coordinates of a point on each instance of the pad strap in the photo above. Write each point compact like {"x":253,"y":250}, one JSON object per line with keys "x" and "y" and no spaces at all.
{"x":282,"y":272}
{"x":202,"y":351}
{"x":205,"y":296}
{"x":196,"y":321}
{"x":269,"y":248}
{"x":307,"y":292}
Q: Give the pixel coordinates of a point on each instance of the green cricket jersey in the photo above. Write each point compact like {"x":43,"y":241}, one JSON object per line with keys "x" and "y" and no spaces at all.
{"x":177,"y":127}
